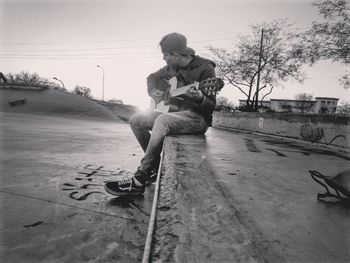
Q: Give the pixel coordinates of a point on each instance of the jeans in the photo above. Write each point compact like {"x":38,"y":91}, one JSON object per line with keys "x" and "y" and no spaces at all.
{"x":150,"y":128}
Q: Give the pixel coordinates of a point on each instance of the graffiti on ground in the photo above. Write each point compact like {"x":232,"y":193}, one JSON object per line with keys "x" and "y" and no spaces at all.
{"x":283,"y":148}
{"x":91,"y":181}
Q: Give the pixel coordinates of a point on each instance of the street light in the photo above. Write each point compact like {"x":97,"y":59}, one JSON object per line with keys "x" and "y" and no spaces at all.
{"x":59,"y":81}
{"x":103,"y":81}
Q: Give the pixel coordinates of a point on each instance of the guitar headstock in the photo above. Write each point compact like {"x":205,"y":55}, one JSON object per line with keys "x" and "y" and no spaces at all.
{"x":211,"y":86}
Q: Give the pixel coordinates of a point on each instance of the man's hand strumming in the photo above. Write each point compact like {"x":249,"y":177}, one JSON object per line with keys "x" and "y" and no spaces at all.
{"x":157,"y":95}
{"x":195,"y":94}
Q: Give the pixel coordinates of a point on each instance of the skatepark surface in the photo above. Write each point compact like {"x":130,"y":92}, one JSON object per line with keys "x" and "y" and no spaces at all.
{"x":55,"y":160}
{"x":242,"y":197}
{"x":53,"y":205}
{"x":57,"y":150}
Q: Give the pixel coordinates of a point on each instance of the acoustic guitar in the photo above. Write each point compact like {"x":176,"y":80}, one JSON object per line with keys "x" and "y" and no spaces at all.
{"x":209,"y":86}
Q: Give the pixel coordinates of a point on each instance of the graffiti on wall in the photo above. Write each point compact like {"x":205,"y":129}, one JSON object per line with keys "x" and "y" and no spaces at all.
{"x":317,"y":134}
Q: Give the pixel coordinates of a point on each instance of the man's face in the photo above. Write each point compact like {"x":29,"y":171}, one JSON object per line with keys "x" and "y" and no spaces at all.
{"x":170,"y":59}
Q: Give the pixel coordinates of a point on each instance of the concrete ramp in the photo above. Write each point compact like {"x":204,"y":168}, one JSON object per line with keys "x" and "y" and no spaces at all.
{"x":52,"y":102}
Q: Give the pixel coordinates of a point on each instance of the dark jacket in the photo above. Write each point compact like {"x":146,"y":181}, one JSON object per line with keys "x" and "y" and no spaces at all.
{"x":199,"y":69}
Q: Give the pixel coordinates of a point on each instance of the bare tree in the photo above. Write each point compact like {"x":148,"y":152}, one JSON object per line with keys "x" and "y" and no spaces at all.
{"x":304,"y":102}
{"x":260,"y":61}
{"x":3,"y":78}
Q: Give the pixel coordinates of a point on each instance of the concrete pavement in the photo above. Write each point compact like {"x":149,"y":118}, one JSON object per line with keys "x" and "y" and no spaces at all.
{"x":269,"y":180}
{"x":239,"y":197}
{"x":54,"y":208}
{"x":52,"y":202}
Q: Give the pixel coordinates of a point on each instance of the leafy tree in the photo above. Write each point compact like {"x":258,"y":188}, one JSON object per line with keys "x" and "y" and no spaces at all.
{"x":224,"y":105}
{"x":260,"y":61}
{"x":345,"y":80}
{"x":82,"y":91}
{"x":343,"y":108}
{"x":32,"y":79}
{"x":329,"y":39}
{"x":25,"y":77}
{"x":304,"y":102}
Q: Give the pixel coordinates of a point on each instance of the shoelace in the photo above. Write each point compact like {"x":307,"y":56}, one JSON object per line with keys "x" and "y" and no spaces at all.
{"x":127,"y":181}
{"x":153,"y":173}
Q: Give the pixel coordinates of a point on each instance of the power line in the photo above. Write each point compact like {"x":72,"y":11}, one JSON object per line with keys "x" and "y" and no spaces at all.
{"x":84,"y":49}
{"x":75,"y":58}
{"x":66,"y":53}
{"x":153,"y":39}
{"x":82,"y":54}
{"x":108,"y":48}
{"x":87,"y":56}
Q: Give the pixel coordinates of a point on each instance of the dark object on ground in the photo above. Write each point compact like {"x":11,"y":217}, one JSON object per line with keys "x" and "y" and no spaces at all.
{"x":35,"y":224}
{"x":13,"y":103}
{"x":340,"y":183}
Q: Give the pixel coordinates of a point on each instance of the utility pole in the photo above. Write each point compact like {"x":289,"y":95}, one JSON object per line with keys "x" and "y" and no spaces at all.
{"x":259,"y":69}
{"x":103,"y":82}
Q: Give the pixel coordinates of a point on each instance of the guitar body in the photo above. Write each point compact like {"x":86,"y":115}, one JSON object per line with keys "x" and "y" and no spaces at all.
{"x":210,"y":87}
{"x":162,"y":105}
{"x":159,"y":106}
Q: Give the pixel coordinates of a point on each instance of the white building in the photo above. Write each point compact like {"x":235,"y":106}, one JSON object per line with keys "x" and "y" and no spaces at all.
{"x":326,"y":105}
{"x":317,"y":106}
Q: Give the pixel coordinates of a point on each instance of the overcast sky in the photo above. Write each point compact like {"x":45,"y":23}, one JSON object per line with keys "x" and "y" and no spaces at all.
{"x":67,"y":39}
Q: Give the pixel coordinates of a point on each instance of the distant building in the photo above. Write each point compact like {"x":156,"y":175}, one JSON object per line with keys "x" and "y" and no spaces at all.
{"x":297,"y":106}
{"x":266,"y":103}
{"x":326,"y":105}
{"x":319,"y":105}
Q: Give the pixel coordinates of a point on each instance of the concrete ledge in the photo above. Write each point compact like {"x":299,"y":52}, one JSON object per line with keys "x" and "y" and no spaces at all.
{"x":327,"y":130}
{"x":195,"y":222}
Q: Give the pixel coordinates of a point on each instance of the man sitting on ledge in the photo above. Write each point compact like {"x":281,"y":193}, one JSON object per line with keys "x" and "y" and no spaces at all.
{"x":190,"y":113}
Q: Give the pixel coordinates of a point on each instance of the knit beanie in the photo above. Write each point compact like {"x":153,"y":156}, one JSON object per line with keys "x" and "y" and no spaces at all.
{"x":175,"y":43}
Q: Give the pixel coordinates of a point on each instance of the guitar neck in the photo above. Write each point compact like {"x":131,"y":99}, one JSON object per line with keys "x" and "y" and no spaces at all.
{"x":182,"y":90}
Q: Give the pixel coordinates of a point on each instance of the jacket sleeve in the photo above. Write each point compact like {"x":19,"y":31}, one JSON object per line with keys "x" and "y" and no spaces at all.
{"x":209,"y":101}
{"x":158,"y":80}
{"x":153,"y":79}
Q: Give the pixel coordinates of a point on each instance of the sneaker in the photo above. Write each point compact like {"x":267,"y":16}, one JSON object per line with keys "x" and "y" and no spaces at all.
{"x":152,"y":177}
{"x":124,"y":187}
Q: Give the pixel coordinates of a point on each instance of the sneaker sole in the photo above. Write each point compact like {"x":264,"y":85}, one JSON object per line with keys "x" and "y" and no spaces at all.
{"x":147,"y":183}
{"x":122,"y":193}
{"x":151,"y":181}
